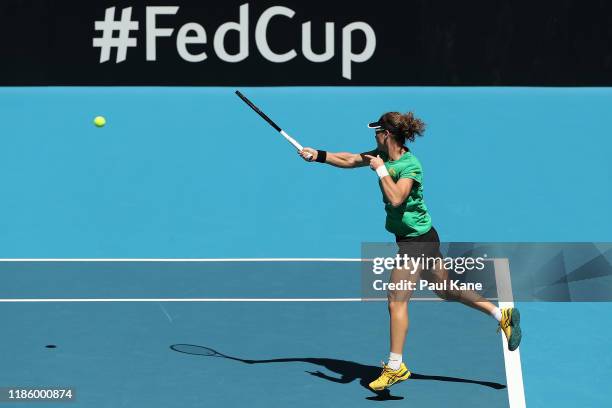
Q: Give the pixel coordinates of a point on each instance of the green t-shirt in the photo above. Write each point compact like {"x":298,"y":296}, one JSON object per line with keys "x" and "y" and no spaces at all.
{"x":410,"y":219}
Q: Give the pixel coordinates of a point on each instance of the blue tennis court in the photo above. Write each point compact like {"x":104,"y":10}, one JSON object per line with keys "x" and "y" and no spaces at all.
{"x":278,"y":350}
{"x":161,"y":181}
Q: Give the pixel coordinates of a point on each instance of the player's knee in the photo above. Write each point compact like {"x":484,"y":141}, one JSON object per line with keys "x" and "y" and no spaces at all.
{"x":441,"y":294}
{"x":446,"y":294}
{"x":397,"y":306}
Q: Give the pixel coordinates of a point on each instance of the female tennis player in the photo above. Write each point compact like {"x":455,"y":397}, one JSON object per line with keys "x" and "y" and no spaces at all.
{"x":401,"y":181}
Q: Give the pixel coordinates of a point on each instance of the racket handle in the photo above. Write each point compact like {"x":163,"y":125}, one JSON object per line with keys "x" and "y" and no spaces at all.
{"x":292,"y":141}
{"x":295,"y":144}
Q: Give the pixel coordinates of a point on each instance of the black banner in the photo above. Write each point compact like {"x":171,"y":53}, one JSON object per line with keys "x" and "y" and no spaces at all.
{"x":412,"y":42}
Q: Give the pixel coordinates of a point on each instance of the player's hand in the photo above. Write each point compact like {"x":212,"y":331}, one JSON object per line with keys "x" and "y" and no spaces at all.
{"x":375,"y":162}
{"x":309,"y":154}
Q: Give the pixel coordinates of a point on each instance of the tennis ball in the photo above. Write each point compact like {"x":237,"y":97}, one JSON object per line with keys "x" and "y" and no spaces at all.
{"x":99,"y":121}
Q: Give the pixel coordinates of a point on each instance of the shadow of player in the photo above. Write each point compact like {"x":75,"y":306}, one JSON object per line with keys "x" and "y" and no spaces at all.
{"x":347,"y":371}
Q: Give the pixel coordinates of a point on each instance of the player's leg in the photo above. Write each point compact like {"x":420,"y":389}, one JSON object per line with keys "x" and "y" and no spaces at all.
{"x":439,"y":274}
{"x":507,"y":318}
{"x":398,"y":306}
{"x":395,"y":370}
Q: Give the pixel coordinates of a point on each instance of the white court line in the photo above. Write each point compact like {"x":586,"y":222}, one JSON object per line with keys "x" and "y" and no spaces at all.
{"x":512,"y":359}
{"x":102,"y":300}
{"x":183,"y":259}
{"x":182,"y":300}
{"x":84,"y":300}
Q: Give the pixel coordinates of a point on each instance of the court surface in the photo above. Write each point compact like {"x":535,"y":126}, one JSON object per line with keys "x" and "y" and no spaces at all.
{"x":161,"y":180}
{"x":294,"y":332}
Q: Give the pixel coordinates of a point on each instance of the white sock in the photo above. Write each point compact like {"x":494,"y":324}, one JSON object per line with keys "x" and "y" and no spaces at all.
{"x":395,"y":360}
{"x":497,"y":314}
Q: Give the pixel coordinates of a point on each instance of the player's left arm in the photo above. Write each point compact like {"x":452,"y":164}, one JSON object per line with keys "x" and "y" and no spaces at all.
{"x":396,"y":193}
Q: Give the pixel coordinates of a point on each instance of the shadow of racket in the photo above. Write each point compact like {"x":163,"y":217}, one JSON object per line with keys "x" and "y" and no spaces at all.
{"x":195,"y":350}
{"x":348,"y":371}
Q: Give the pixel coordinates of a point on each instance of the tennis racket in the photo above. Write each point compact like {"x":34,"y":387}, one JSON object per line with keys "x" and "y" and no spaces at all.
{"x":265,"y":117}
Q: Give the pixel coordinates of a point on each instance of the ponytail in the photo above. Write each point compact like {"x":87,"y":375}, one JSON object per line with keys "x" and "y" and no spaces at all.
{"x":404,"y":127}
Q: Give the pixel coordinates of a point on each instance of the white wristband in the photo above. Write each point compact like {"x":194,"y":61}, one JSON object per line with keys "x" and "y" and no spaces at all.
{"x":382,"y":171}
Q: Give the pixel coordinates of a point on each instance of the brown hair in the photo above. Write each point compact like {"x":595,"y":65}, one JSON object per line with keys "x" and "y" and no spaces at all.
{"x":403,"y":127}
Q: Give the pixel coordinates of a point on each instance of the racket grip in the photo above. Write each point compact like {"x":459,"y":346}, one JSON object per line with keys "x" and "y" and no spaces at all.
{"x":292,"y":141}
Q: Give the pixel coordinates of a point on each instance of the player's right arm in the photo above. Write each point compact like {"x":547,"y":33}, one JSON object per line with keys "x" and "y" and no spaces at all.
{"x":343,"y":159}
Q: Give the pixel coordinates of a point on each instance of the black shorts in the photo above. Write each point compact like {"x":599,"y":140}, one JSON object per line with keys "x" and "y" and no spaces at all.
{"x":427,"y":245}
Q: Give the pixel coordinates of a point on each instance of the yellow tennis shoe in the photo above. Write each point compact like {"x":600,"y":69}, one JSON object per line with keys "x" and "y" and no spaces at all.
{"x":511,"y":326}
{"x":388,"y":377}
